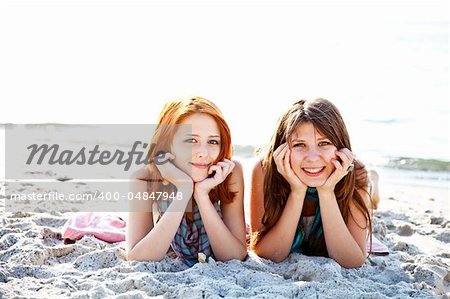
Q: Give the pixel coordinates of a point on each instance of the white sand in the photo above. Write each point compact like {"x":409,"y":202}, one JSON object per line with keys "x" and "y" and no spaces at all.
{"x":412,"y":220}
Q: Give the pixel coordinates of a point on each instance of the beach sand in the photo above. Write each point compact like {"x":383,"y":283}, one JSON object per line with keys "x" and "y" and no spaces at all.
{"x":413,"y":221}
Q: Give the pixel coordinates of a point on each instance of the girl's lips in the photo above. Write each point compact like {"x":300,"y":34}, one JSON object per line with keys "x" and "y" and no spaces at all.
{"x":313,"y":171}
{"x":200,"y":165}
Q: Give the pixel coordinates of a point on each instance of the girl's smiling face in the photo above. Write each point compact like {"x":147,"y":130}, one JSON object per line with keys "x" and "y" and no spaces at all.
{"x":196,"y":145}
{"x":311,"y":155}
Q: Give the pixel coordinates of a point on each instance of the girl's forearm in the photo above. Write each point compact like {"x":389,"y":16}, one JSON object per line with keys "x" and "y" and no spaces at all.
{"x":154,"y":246}
{"x":276,"y":244}
{"x":223,"y":243}
{"x":341,"y":245}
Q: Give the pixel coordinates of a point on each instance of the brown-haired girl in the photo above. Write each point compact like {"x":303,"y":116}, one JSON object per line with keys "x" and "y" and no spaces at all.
{"x":309,"y":194}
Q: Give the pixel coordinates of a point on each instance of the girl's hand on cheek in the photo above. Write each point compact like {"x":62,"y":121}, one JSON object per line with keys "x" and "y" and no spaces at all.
{"x":221,"y":171}
{"x":341,"y":169}
{"x":282,"y":158}
{"x":171,"y":173}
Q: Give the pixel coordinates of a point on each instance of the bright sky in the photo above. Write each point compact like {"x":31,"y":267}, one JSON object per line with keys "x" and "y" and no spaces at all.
{"x":118,"y":62}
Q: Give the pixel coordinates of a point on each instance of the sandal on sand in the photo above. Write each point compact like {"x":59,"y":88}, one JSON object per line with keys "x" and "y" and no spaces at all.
{"x":378,"y":248}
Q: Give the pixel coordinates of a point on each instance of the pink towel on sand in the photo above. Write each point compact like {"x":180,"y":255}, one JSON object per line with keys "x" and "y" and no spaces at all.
{"x":104,"y":226}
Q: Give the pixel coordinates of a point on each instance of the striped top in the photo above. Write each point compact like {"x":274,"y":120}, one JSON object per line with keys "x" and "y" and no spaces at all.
{"x":190,"y":238}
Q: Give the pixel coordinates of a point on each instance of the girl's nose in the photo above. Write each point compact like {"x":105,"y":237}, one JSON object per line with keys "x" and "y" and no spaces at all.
{"x":201,"y":151}
{"x":312,"y":154}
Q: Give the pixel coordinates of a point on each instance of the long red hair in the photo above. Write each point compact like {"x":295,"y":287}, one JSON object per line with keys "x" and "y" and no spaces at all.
{"x":174,"y":113}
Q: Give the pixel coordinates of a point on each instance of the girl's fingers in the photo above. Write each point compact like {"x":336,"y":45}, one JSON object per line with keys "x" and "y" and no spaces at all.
{"x":342,"y":168}
{"x":337,"y":174}
{"x":279,"y":158}
{"x":347,"y":162}
{"x":279,"y":149}
{"x":287,"y":162}
{"x":219,"y":174}
{"x":338,"y":165}
{"x":159,"y":159}
{"x":279,"y":153}
{"x":348,"y":154}
{"x":227,"y":166}
{"x":213,"y":168}
{"x":170,"y":156}
{"x":223,"y":165}
{"x":218,"y":171}
{"x":224,"y":168}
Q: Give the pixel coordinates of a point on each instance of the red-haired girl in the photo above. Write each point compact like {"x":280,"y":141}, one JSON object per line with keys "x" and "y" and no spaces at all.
{"x":191,"y":158}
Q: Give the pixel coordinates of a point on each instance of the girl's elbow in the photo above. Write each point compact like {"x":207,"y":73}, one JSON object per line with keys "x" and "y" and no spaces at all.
{"x":274,"y":256}
{"x":360,"y":261}
{"x":242,"y":252}
{"x":243,"y":255}
{"x":278,"y":258}
{"x":131,"y":256}
{"x":355,"y":263}
{"x":240,"y":255}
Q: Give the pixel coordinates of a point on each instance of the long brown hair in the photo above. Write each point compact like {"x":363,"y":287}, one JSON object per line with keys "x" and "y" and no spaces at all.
{"x":326,"y":118}
{"x":173,"y":113}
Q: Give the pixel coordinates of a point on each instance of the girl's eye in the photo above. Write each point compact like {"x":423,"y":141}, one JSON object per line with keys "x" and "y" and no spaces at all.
{"x":324,"y":143}
{"x":215,"y":142}
{"x":191,"y":140}
{"x":298,"y":144}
